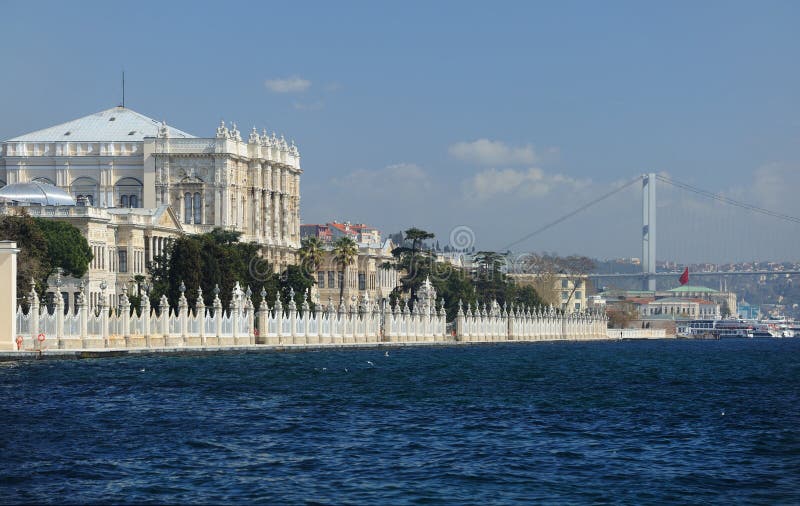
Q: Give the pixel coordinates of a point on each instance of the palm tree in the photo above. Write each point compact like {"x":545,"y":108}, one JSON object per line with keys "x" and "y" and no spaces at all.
{"x":345,"y":250}
{"x":311,"y":254}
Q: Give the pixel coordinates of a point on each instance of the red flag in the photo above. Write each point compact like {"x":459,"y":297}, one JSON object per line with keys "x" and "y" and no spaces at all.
{"x":684,"y":277}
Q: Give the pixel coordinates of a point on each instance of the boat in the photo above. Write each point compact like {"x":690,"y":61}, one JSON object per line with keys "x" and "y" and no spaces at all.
{"x":716,"y":329}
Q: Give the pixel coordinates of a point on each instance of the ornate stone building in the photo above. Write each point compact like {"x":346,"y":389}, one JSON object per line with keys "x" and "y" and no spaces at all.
{"x":118,"y":158}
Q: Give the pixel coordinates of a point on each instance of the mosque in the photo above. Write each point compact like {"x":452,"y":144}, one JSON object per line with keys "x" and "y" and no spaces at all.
{"x":131,"y":183}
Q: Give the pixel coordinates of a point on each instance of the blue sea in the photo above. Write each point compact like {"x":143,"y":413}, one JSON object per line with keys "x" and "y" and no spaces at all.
{"x":635,"y":422}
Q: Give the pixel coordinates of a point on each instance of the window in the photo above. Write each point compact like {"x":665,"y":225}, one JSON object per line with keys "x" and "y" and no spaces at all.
{"x":362,"y":281}
{"x":331,"y":281}
{"x":577,"y":295}
{"x":564,"y":295}
{"x":321,"y":279}
{"x":198,"y":209}
{"x":128,"y":192}
{"x":577,"y":306}
{"x":187,"y":208}
{"x":123,"y":260}
{"x":564,"y":283}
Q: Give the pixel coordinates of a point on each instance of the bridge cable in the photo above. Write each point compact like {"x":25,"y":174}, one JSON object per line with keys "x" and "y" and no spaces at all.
{"x":572,"y":213}
{"x":726,"y":200}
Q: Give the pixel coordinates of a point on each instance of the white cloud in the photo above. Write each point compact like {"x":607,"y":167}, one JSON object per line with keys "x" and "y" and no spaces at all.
{"x":292,"y":84}
{"x":488,"y":152}
{"x":531,"y":182}
{"x":392,"y":178}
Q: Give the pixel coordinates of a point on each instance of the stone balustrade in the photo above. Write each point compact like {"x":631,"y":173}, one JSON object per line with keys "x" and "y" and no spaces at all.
{"x":157,"y":325}
{"x":480,"y":324}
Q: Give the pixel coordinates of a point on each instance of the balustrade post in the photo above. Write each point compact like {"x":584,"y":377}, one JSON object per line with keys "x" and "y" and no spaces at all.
{"x":146,"y":317}
{"x":163,"y":307}
{"x":235,"y":314}
{"x":33,"y":311}
{"x":83,"y":310}
{"x":217,"y":304}
{"x":125,"y":310}
{"x":183,"y":313}
{"x":292,"y":307}
{"x":58,"y":312}
{"x":263,"y":319}
{"x":306,"y":319}
{"x":200,"y":315}
{"x":279,"y":319}
{"x":250,"y":315}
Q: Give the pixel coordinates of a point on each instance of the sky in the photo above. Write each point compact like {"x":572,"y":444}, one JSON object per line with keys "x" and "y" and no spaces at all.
{"x":479,"y":121}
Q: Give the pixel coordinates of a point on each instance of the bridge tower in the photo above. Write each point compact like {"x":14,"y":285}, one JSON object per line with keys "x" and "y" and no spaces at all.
{"x":649,"y":231}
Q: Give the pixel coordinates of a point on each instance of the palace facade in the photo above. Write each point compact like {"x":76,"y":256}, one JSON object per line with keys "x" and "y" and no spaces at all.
{"x":138,"y":183}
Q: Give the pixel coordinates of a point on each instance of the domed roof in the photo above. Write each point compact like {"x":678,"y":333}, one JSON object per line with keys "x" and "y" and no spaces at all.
{"x":36,"y":192}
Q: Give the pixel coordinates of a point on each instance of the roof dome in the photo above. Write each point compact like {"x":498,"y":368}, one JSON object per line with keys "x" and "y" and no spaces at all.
{"x":36,"y":192}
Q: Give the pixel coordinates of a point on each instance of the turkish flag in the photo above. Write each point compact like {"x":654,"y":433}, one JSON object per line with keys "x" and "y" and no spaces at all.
{"x":684,"y":277}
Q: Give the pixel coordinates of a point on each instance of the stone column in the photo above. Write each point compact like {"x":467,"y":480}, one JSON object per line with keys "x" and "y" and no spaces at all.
{"x":277,"y":219}
{"x":8,"y":295}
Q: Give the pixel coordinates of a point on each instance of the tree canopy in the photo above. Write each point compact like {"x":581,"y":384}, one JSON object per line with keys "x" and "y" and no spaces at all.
{"x":216,"y":259}
{"x":45,"y":246}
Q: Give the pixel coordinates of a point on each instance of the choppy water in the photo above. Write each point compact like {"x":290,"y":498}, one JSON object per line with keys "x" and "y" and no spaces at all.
{"x":629,"y":422}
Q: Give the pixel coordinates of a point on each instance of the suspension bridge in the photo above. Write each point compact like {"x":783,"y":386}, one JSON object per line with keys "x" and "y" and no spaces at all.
{"x":681,"y":216}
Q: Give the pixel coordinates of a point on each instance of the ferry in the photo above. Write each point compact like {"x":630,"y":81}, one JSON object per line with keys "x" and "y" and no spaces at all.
{"x":723,"y":329}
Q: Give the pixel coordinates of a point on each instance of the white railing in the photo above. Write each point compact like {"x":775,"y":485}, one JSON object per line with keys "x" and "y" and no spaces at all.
{"x":636,"y":333}
{"x":244,"y":324}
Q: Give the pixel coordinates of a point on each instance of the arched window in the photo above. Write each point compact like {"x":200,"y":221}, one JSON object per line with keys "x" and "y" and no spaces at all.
{"x":187,"y":208}
{"x":124,"y":201}
{"x":131,"y":188}
{"x":198,"y":209}
{"x":84,"y":189}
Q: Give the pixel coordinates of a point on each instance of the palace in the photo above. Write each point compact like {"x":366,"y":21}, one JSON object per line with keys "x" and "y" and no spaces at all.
{"x":137,"y":182}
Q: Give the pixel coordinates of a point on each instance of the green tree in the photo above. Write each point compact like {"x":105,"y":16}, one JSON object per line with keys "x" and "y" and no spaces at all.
{"x":416,"y":264}
{"x":417,"y":237}
{"x":345,"y":251}
{"x":33,"y":262}
{"x":295,"y":277}
{"x":67,"y":248}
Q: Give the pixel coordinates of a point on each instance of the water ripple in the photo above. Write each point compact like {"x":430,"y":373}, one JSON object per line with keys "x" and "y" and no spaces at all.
{"x":630,"y":423}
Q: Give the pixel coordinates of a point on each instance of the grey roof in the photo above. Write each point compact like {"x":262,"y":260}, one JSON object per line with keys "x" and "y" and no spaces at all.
{"x":118,"y":124}
{"x":36,"y":192}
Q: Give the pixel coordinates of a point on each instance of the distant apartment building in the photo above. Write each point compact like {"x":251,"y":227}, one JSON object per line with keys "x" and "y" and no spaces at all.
{"x":329,"y":232}
{"x":567,"y":292}
{"x":371,"y":277}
